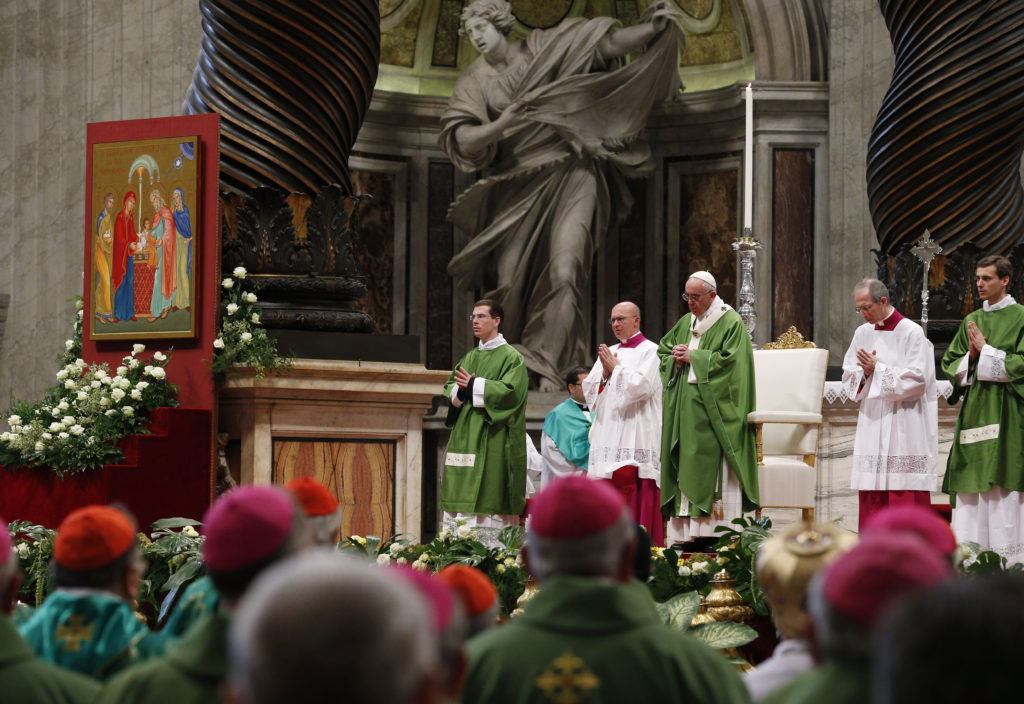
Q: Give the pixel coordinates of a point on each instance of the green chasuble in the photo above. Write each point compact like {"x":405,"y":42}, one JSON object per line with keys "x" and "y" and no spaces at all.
{"x":988,"y":447}
{"x":595,"y":641}
{"x":25,"y":679}
{"x":485,"y":468}
{"x":705,"y":421}
{"x":192,"y":672}
{"x":199,"y":601}
{"x":831,"y":682}
{"x":88,"y":631}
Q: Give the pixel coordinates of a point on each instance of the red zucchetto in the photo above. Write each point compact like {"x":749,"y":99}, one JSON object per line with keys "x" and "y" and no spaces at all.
{"x":472,"y":586}
{"x":575,"y":507}
{"x":92,"y":537}
{"x":246,"y":526}
{"x":314,"y":497}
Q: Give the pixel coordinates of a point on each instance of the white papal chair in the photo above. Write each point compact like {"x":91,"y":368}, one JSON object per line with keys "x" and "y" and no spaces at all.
{"x":790,"y":378}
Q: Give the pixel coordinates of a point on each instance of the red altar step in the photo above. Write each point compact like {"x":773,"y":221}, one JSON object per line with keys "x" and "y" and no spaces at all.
{"x":168,"y":473}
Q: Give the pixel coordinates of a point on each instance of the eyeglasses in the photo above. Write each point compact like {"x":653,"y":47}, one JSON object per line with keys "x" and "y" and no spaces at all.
{"x":860,"y":309}
{"x":694,"y":296}
{"x":620,"y":319}
{"x":479,"y":316}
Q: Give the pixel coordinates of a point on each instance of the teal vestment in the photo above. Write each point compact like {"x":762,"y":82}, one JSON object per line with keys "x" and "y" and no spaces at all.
{"x":199,"y":601}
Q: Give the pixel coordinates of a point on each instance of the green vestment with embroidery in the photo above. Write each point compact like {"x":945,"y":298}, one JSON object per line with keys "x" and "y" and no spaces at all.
{"x":988,"y":446}
{"x":706,"y":421}
{"x":596,"y":641}
{"x":485,"y":466}
{"x":91,"y":632}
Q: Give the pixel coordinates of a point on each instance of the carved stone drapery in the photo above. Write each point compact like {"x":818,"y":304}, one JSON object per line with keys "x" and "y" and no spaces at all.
{"x":300,"y":252}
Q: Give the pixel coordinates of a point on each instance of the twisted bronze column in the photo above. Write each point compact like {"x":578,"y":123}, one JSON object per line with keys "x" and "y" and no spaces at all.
{"x":945,"y":149}
{"x":292,"y":81}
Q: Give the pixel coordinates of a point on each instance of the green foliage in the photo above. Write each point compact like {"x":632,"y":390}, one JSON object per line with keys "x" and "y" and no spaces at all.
{"x":242,"y":340}
{"x":679,"y":611}
{"x":971,"y":559}
{"x":173,"y":558}
{"x":501,"y":563}
{"x":87,"y":412}
{"x":672,"y":575}
{"x":33,"y":544}
{"x":737,"y":550}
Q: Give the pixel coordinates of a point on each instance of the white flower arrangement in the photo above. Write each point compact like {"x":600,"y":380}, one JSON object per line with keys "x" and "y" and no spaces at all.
{"x":242,"y":340}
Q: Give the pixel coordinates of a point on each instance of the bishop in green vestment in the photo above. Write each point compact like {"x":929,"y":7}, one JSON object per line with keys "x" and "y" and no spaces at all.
{"x":485,"y":465}
{"x":985,"y":364}
{"x":707,"y":371}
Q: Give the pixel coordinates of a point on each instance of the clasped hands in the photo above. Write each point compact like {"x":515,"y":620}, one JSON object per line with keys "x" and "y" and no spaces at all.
{"x":463,"y":378}
{"x":681,"y":354}
{"x":867,"y":361}
{"x":608,"y":360}
{"x":976,"y":339}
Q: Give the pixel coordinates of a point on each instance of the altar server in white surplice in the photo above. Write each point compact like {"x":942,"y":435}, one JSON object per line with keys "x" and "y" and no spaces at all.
{"x":890,"y":370}
{"x":623,"y":392}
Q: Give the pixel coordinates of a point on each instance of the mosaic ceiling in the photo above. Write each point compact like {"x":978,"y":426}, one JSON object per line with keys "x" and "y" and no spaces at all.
{"x":423,"y":53}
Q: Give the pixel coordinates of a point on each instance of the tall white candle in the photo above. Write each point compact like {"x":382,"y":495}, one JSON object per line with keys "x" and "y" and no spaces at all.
{"x":748,"y":162}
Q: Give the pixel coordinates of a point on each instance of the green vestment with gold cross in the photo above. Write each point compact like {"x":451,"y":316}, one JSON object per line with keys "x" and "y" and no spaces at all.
{"x":92,"y":632}
{"x":988,"y":446}
{"x":584,"y":640}
{"x":706,"y":421}
{"x":485,"y":466}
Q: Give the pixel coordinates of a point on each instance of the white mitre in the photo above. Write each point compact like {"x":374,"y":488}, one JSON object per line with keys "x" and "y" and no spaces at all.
{"x":706,"y":277}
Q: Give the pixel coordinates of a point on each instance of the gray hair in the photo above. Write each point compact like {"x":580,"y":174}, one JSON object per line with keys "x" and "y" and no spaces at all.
{"x":597,"y":555}
{"x":321,"y":620}
{"x":325,"y":528}
{"x":838,"y":638}
{"x":876,"y":289}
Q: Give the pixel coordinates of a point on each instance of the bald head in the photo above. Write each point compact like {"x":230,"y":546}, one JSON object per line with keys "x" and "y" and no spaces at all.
{"x":625,"y":320}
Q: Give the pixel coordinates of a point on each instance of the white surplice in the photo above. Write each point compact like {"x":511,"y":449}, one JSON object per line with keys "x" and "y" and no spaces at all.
{"x":627,"y":413}
{"x":898,"y":425}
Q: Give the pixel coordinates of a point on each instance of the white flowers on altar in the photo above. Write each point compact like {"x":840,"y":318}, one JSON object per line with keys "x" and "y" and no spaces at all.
{"x":239,"y":272}
{"x":219,"y":343}
{"x":232,"y":308}
{"x":117,"y":394}
{"x":158,"y":373}
{"x":159,"y":356}
{"x":255,"y":318}
{"x":245,"y":336}
{"x":128,"y":411}
{"x":228,"y":283}
{"x":250,"y":297}
{"x":138,"y":348}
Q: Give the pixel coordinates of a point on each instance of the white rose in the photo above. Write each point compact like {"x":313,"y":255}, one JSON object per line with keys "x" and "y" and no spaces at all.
{"x":500,"y":569}
{"x":81,"y":313}
{"x":509,"y":562}
{"x":255,"y":318}
{"x":128,"y":411}
{"x":227,"y":283}
{"x":232,"y":308}
{"x":55,"y":412}
{"x":63,"y":405}
{"x":117,"y":394}
{"x":80,"y":363}
{"x":700,"y":567}
{"x":402,"y":561}
{"x":79,"y":303}
{"x":147,"y":369}
{"x":68,"y":344}
{"x":70,"y":384}
{"x":105,"y":401}
{"x":158,"y":373}
{"x":219,"y":343}
{"x":62,"y":374}
{"x":239,"y":272}
{"x":250,"y":297}
{"x":133,"y":364}
{"x":464,"y":531}
{"x":94,"y":384}
{"x":142,"y":385}
{"x":14,"y":419}
{"x":23,"y":550}
{"x":136,"y":394}
{"x":245,"y":336}
{"x":5,"y":436}
{"x":159,"y":356}
{"x":39,"y":447}
{"x":383,"y":559}
{"x":123,"y":382}
{"x":63,"y":436}
{"x":81,"y":395}
{"x":422,"y":566}
{"x":138,"y":349}
{"x":122,"y":370}
{"x":56,"y":427}
{"x":684,"y":571}
{"x":68,"y":420}
{"x":110,"y":412}
{"x":47,"y":436}
{"x":100,"y":374}
{"x":395,"y":548}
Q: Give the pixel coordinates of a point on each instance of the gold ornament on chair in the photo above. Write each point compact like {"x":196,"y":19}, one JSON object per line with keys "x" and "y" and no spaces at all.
{"x":790,"y":340}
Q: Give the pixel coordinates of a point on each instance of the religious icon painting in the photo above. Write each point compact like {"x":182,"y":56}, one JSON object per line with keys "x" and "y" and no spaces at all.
{"x":143,"y":239}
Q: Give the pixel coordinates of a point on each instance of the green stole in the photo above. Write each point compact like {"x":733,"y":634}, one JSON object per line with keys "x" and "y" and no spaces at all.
{"x":987,"y":447}
{"x":485,"y":466}
{"x":706,"y":421}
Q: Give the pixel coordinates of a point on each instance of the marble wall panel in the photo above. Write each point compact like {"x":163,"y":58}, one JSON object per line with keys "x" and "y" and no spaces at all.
{"x":793,"y":241}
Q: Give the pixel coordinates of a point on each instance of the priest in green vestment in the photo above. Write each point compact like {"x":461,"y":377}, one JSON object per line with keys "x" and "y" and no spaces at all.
{"x":24,"y":678}
{"x":985,"y":364}
{"x":87,"y":624}
{"x":247,"y":530}
{"x":708,"y":449}
{"x":592,"y":632}
{"x":485,"y":465}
